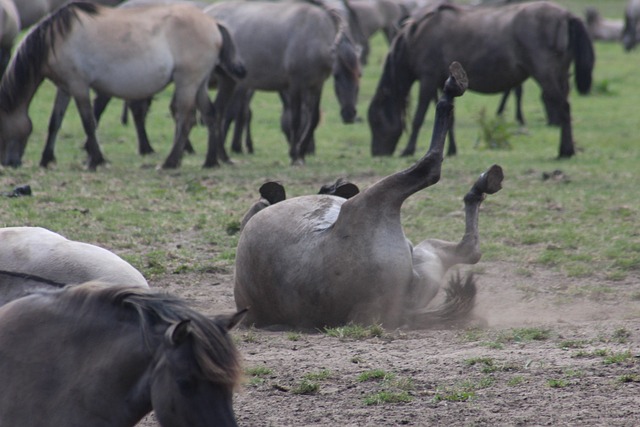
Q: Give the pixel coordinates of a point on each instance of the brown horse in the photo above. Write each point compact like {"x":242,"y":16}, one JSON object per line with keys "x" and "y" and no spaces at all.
{"x":498,"y":47}
{"x":121,"y":53}
{"x":105,"y":355}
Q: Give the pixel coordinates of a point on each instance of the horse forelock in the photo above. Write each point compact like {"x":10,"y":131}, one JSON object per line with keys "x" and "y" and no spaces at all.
{"x":347,"y":55}
{"x":216,"y":355}
{"x":26,"y":65}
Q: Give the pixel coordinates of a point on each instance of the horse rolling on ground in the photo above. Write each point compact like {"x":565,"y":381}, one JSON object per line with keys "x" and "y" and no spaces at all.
{"x":121,"y":53}
{"x":105,"y":355}
{"x":292,"y":48}
{"x":498,"y":47}
{"x":36,"y":258}
{"x":327,"y":260}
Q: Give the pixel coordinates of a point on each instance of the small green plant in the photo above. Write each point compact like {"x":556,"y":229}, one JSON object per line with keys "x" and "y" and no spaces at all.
{"x":617,"y":358}
{"x":306,"y":386}
{"x":629,"y":378}
{"x":354,"y":331}
{"x":375,"y":374}
{"x":557,"y":383}
{"x":386,"y":396}
{"x":565,"y":345}
{"x":454,"y":396}
{"x":495,"y":133}
{"x":524,"y":334}
{"x":514,"y":381}
{"x":318,"y":376}
{"x":293,"y":336}
{"x":621,"y":335}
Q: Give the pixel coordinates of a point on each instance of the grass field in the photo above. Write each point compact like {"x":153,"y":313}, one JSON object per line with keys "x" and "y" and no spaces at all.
{"x":583,"y":222}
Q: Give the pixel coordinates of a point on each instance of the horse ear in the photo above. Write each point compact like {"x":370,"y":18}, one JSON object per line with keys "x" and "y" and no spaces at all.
{"x":230,"y":321}
{"x":178,"y":332}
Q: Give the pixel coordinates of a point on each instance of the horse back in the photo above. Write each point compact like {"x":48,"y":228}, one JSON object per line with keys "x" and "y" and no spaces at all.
{"x":277,"y":39}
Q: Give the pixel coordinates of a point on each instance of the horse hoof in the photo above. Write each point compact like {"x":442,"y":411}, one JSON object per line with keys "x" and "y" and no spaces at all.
{"x":490,"y":182}
{"x":457,"y":82}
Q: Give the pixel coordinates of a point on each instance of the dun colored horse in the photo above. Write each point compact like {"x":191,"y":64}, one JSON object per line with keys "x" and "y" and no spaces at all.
{"x":498,"y":47}
{"x":121,"y":53}
{"x":104,"y":355}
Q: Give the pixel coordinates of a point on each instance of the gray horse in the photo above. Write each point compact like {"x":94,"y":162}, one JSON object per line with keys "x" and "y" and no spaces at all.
{"x":292,"y":48}
{"x":499,"y":47}
{"x":326,"y":260}
{"x":631,"y":22}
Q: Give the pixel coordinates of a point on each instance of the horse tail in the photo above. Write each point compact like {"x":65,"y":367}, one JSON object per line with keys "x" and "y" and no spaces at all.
{"x":582,"y":46}
{"x":459,"y":302}
{"x":229,"y":61}
{"x":26,"y":65}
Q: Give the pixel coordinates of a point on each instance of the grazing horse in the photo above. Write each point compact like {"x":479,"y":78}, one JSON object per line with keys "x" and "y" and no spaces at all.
{"x":38,"y":258}
{"x":327,"y":260}
{"x":292,"y":48}
{"x":631,"y":22}
{"x":9,"y":29}
{"x":498,"y":47}
{"x":129,"y":54}
{"x":105,"y":355}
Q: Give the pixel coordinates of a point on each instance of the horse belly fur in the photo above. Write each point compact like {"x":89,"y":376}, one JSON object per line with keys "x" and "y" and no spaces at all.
{"x":295,"y":267}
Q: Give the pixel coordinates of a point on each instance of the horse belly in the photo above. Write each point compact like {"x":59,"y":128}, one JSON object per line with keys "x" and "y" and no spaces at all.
{"x":133,"y":79}
{"x":293,"y":268}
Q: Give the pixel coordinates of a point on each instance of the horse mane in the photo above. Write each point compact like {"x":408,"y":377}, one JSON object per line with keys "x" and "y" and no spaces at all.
{"x":26,"y":66}
{"x":214,"y":351}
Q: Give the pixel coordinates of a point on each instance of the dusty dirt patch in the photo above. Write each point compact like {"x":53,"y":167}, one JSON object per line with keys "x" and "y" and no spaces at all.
{"x":584,"y":370}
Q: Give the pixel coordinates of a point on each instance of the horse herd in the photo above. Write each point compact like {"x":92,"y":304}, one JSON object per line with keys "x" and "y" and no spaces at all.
{"x":291,"y":48}
{"x":85,"y":341}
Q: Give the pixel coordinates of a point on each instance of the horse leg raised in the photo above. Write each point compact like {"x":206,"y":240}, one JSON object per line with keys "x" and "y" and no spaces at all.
{"x":427,"y":93}
{"x":60,"y":106}
{"x":432,"y":258}
{"x":83,"y":103}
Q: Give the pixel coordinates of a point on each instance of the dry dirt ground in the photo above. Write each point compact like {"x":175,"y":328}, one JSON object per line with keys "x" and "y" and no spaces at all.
{"x":547,"y":350}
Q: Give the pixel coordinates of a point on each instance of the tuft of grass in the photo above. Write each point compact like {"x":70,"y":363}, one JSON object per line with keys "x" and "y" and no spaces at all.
{"x":293,"y":336}
{"x":516,"y":380}
{"x":629,"y":378}
{"x":355,"y":331}
{"x":386,"y":397}
{"x":617,"y":358}
{"x":306,"y":387}
{"x":524,"y":334}
{"x":621,"y":335}
{"x":495,"y":133}
{"x":557,"y":383}
{"x":375,"y":374}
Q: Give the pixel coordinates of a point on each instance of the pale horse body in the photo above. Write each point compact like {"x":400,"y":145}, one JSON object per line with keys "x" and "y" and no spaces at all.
{"x":9,"y":30}
{"x":106,"y":355}
{"x":323,"y":260}
{"x":631,"y":23}
{"x":37,"y":258}
{"x":121,"y":53}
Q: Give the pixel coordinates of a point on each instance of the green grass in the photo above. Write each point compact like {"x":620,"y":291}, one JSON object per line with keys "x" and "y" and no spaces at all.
{"x":186,"y":221}
{"x":353,"y":331}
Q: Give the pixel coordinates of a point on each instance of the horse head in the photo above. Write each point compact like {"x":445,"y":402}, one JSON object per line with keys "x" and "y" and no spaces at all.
{"x":388,"y":106}
{"x":346,"y":77}
{"x":196,"y":372}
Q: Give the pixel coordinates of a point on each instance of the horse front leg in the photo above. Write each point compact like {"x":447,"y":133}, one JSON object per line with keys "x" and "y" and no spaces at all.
{"x":139,"y":111}
{"x":559,"y":112}
{"x":426,"y":95}
{"x":60,"y":106}
{"x":83,"y":103}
